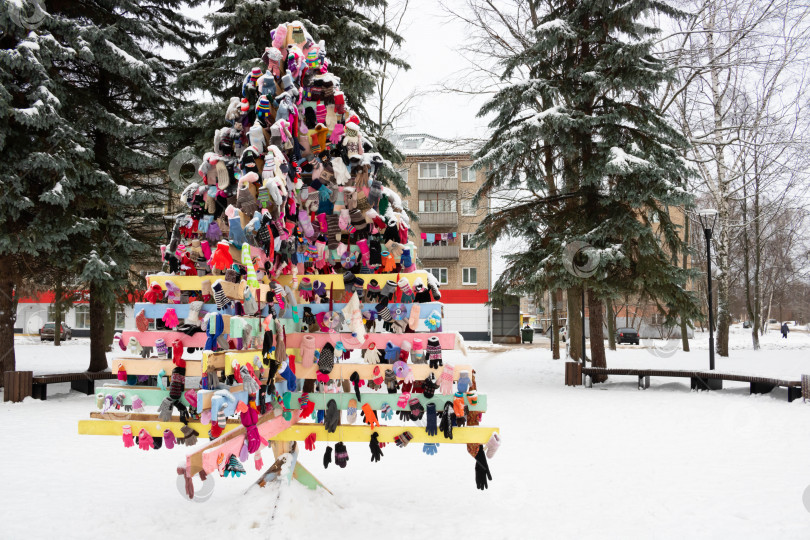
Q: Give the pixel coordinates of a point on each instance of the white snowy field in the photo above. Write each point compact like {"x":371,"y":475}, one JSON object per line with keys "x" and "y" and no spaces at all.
{"x":607,"y":462}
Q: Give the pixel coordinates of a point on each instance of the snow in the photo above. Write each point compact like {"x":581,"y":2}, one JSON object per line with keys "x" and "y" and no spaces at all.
{"x":624,"y":162}
{"x":607,"y":462}
{"x":125,"y":56}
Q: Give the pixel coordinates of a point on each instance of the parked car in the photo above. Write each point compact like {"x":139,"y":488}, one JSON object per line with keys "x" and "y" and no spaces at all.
{"x":627,"y":335}
{"x":46,"y":332}
{"x":747,"y":324}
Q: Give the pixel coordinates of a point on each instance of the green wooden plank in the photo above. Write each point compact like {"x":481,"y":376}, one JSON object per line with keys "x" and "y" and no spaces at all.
{"x":150,"y":395}
{"x":376,"y":400}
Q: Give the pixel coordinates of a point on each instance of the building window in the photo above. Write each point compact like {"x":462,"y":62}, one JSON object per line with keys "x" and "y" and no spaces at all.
{"x":466,"y":241}
{"x":467,"y":174}
{"x":440,"y":274}
{"x":467,"y":208}
{"x":469,"y":276}
{"x":120,"y":319}
{"x":82,"y":314}
{"x":441,"y":169}
{"x":436,"y":201}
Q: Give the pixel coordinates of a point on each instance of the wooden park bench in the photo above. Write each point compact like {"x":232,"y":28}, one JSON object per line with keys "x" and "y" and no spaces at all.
{"x":82,"y":382}
{"x":709,"y":380}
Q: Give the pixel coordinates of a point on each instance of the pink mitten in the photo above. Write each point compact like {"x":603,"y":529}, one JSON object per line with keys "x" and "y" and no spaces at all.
{"x":403,"y":399}
{"x":257,"y":460}
{"x":344,"y":220}
{"x":128,"y":437}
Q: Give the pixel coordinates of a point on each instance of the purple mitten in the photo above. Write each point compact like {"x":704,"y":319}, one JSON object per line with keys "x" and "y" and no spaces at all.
{"x":168,"y":439}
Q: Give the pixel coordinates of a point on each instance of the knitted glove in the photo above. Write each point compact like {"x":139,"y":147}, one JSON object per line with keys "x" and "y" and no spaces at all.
{"x":403,"y":439}
{"x":391,"y":381}
{"x":309,"y":442}
{"x":402,"y":402}
{"x":189,"y":436}
{"x":234,"y":468}
{"x":429,"y":386}
{"x":371,"y":356}
{"x":169,"y":439}
{"x":430,"y":417}
{"x":492,"y":445}
{"x":368,"y":416}
{"x":248,"y":382}
{"x":127,"y":435}
{"x":306,"y":405}
{"x":145,"y":441}
{"x":417,"y":410}
{"x":327,"y":457}
{"x":165,"y":410}
{"x":341,"y":455}
{"x":430,"y":448}
{"x":482,"y":473}
{"x":386,"y":413}
{"x":446,"y":380}
{"x":332,"y":416}
{"x":374,"y":446}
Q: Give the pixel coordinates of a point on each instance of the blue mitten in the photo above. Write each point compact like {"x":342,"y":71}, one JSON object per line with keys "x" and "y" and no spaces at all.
{"x":289,"y":376}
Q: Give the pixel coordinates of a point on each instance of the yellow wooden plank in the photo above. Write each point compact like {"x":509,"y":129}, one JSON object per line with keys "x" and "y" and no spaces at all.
{"x":154,"y":428}
{"x":152,"y":366}
{"x":194,"y":283}
{"x":362,"y":433}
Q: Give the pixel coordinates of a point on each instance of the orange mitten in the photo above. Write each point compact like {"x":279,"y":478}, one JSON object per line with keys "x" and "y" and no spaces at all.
{"x":369,"y":416}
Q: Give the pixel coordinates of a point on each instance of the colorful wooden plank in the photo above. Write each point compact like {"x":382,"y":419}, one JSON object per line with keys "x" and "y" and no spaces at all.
{"x":366,"y":371}
{"x":152,"y":395}
{"x":156,"y":311}
{"x":386,"y":434}
{"x":143,"y":417}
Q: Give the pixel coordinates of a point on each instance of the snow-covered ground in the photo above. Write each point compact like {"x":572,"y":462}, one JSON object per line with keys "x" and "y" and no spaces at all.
{"x":608,"y":462}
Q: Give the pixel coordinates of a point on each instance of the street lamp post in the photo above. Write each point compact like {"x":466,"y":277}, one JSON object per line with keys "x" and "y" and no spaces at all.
{"x":707,"y":218}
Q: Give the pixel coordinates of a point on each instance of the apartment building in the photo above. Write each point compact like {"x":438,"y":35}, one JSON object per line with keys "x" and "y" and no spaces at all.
{"x":442,"y":184}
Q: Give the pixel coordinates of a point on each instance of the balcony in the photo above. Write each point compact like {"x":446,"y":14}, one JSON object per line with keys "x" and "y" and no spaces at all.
{"x":438,"y":252}
{"x":429,"y":220}
{"x":438,"y":184}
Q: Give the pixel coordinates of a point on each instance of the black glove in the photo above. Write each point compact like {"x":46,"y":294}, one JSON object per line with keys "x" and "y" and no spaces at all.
{"x":341,"y":455}
{"x":404,"y":415}
{"x":331,"y":417}
{"x":262,"y":395}
{"x":327,"y":457}
{"x":435,"y":363}
{"x":430,"y":416}
{"x":446,"y":425}
{"x":355,"y":379}
{"x":374,"y":445}
{"x":482,"y":473}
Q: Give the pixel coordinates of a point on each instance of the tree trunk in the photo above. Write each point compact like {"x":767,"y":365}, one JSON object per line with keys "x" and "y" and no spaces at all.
{"x":684,"y":261}
{"x":98,"y":352}
{"x":575,"y":323}
{"x":109,"y":327}
{"x":596,"y":322}
{"x":8,"y":316}
{"x":555,"y":324}
{"x":611,"y":324}
{"x":57,"y":311}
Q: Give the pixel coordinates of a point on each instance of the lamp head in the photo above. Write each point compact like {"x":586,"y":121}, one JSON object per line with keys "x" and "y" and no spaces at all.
{"x":707,"y":217}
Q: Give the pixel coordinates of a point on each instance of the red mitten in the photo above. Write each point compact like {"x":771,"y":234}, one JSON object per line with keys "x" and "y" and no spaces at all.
{"x":307,"y":406}
{"x":309,"y":442}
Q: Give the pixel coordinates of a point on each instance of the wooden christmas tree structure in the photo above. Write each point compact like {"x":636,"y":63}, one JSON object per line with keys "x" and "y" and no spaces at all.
{"x":293,"y":271}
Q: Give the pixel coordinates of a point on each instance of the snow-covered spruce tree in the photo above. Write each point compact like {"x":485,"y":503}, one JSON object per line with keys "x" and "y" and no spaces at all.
{"x":116,"y":90}
{"x":589,"y":160}
{"x":45,"y":161}
{"x":241,"y":30}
